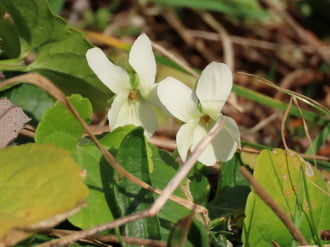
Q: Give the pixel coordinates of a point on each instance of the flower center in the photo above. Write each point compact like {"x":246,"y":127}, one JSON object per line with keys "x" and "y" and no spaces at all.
{"x":132,"y":95}
{"x":206,"y":118}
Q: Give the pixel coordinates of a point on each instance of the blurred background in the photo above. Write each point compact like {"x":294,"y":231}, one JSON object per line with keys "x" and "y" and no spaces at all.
{"x":285,"y":42}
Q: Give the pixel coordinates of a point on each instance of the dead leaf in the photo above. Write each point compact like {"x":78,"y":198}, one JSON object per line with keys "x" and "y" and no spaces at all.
{"x":12,"y":120}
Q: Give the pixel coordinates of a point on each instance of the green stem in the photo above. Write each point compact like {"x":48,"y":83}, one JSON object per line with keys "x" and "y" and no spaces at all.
{"x":12,"y":65}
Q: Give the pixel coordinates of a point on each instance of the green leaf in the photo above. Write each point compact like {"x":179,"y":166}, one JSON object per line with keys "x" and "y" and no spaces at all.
{"x":195,"y":230}
{"x":298,"y":188}
{"x":60,"y":127}
{"x":199,"y":185}
{"x":9,"y":40}
{"x":100,"y":200}
{"x":164,"y":169}
{"x":56,"y":5}
{"x":97,"y":210}
{"x":60,"y":50}
{"x":32,"y":99}
{"x":34,"y":22}
{"x":178,"y":236}
{"x":135,"y":155}
{"x":130,"y":198}
{"x":38,"y":182}
{"x":232,"y":190}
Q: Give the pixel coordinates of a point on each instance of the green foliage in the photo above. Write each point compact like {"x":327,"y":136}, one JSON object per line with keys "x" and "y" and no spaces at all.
{"x":298,"y":189}
{"x":56,"y":5}
{"x":232,"y":190}
{"x":32,"y":99}
{"x":59,"y":126}
{"x":9,"y":43}
{"x":60,"y":50}
{"x":238,"y":8}
{"x":31,"y":190}
{"x":188,"y":232}
{"x":35,"y":23}
{"x":130,"y":198}
{"x":100,"y":200}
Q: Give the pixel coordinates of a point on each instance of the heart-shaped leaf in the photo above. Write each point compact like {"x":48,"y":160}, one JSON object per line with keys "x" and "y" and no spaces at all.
{"x":298,"y":188}
{"x":100,"y":200}
{"x":60,"y":127}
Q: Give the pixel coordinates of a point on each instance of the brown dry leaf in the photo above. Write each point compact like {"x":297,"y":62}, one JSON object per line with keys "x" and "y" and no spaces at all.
{"x":12,"y":120}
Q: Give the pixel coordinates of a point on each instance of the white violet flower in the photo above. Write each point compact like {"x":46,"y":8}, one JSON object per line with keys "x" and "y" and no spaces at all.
{"x":132,"y":91}
{"x":200,"y":109}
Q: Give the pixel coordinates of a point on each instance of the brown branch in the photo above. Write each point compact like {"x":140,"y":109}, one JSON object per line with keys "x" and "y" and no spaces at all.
{"x":263,"y":194}
{"x":180,"y":61}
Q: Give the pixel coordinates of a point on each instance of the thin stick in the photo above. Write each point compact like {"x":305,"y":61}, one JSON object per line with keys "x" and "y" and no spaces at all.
{"x":263,"y":194}
{"x":171,"y":56}
{"x":306,"y":131}
{"x":94,"y":230}
{"x":264,"y":123}
{"x":285,"y":117}
{"x":158,"y":204}
{"x":237,"y":40}
{"x":107,"y":238}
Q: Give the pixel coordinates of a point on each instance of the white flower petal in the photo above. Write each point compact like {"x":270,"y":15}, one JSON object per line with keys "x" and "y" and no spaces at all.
{"x":213,"y":88}
{"x":139,"y":113}
{"x":178,"y":99}
{"x":184,"y":138}
{"x":232,"y":128}
{"x":152,"y":96}
{"x":113,"y":76}
{"x":142,"y":60}
{"x":113,"y":114}
{"x":148,"y":118}
{"x":227,"y":140}
{"x":207,"y":157}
